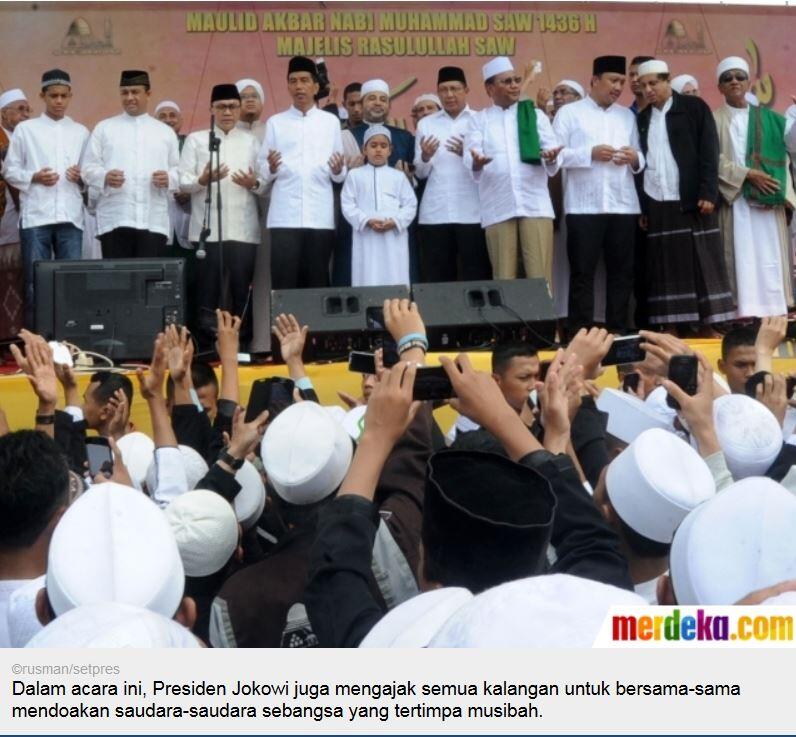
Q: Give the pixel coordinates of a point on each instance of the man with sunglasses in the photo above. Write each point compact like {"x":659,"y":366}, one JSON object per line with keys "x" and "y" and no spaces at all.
{"x":240,"y":226}
{"x":511,"y":150}
{"x":756,"y":189}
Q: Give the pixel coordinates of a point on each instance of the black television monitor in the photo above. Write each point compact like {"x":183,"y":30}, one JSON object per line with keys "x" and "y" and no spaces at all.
{"x":115,"y":307}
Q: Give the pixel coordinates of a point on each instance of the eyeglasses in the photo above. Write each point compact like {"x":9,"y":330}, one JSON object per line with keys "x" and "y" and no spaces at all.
{"x":508,"y":81}
{"x":221,"y":108}
{"x":728,"y":77}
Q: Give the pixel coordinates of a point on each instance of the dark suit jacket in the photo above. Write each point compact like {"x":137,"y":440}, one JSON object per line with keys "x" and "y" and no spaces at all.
{"x":695,"y":146}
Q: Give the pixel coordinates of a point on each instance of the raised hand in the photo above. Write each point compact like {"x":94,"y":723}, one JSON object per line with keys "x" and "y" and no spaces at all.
{"x":428,"y":147}
{"x":179,"y":352}
{"x":150,"y":382}
{"x":37,"y":364}
{"x":291,"y":336}
{"x":479,"y":160}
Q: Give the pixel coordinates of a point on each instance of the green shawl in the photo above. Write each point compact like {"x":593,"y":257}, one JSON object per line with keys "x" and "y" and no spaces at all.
{"x":765,"y":150}
{"x":528,"y":133}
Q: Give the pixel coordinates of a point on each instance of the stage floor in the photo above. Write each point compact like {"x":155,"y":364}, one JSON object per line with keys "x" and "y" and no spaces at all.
{"x":19,"y":403}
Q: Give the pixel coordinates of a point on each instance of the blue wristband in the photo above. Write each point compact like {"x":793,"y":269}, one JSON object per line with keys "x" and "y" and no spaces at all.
{"x":304,"y":383}
{"x":412,"y":336}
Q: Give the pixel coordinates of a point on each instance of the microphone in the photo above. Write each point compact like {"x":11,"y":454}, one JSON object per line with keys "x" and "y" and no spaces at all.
{"x":200,"y":251}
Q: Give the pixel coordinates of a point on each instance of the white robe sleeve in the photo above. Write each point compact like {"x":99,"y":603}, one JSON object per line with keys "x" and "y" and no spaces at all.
{"x":570,"y":158}
{"x":547,"y":141}
{"x":407,"y":205}
{"x":635,"y":143}
{"x":92,"y":167}
{"x":473,"y":141}
{"x":337,"y":148}
{"x":174,"y":163}
{"x":422,"y":168}
{"x":350,"y":206}
{"x":188,"y":168}
{"x":269,"y":144}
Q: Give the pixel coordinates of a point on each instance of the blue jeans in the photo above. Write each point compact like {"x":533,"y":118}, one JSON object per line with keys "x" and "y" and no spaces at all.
{"x":42,"y":243}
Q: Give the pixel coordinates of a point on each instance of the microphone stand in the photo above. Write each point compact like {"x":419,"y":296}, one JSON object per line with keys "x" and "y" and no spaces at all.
{"x":215,"y":147}
{"x":201,"y":252}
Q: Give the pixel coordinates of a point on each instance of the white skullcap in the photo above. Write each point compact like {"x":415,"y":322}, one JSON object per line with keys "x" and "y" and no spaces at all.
{"x":572,"y":84}
{"x":739,"y":542}
{"x":113,"y":625}
{"x":306,"y":454}
{"x":681,"y":80}
{"x":336,"y":412}
{"x":167,"y":103}
{"x":427,"y":97}
{"x":656,"y":401}
{"x":748,"y":433}
{"x":206,"y":530}
{"x":242,"y":84}
{"x":137,"y":452}
{"x":377,"y":130}
{"x":196,"y":467}
{"x":375,"y":85}
{"x":114,"y":544}
{"x":250,"y":500}
{"x":731,"y":62}
{"x":655,"y":482}
{"x":10,"y":96}
{"x":23,"y":622}
{"x":498,"y":65}
{"x":628,"y":416}
{"x":354,"y":421}
{"x":556,"y":610}
{"x":653,"y":66}
{"x":415,"y":622}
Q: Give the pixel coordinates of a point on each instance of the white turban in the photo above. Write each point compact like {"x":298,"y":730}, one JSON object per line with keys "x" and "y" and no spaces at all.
{"x":572,"y":84}
{"x":681,"y":80}
{"x":242,"y":84}
{"x":167,"y":103}
{"x":498,"y":65}
{"x":731,"y":62}
{"x":428,"y":96}
{"x":375,"y":85}
{"x":10,"y":96}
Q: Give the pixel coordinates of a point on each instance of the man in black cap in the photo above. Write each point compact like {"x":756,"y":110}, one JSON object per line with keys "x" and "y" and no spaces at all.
{"x":302,"y":155}
{"x":131,"y":161}
{"x":43,"y":163}
{"x":240,"y":227}
{"x":601,"y":154}
{"x":452,"y":243}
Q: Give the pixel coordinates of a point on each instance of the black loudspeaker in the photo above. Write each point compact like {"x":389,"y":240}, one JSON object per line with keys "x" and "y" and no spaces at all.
{"x":473,"y":314}
{"x":341,"y":319}
{"x":115,"y":307}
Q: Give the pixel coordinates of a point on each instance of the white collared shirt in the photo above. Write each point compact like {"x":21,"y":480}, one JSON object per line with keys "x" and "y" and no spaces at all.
{"x":138,"y":145}
{"x":661,"y":176}
{"x":507,"y":187}
{"x":302,"y":185}
{"x":597,"y":187}
{"x":450,"y":195}
{"x":56,"y":144}
{"x":238,"y":150}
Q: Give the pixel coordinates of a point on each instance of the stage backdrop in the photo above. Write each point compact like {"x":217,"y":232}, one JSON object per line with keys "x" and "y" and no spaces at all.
{"x":189,"y":47}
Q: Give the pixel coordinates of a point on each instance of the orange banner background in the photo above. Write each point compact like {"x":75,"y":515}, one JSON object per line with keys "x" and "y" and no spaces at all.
{"x":189,"y":47}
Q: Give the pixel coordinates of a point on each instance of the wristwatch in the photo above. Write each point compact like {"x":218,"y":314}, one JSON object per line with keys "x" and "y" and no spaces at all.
{"x":230,"y":460}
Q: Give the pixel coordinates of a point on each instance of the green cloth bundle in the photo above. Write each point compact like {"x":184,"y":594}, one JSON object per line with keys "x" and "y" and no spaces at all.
{"x":528,"y":133}
{"x":765,"y":150}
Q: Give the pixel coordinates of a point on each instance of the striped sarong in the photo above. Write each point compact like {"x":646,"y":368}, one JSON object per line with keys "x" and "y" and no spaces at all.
{"x":687,"y":273}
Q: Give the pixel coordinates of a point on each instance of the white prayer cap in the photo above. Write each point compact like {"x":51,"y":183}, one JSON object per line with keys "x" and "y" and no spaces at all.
{"x":628,"y":416}
{"x":681,"y":80}
{"x":427,"y":97}
{"x":739,"y":542}
{"x":10,"y":96}
{"x":137,"y":452}
{"x":114,"y":544}
{"x":250,"y":500}
{"x":196,"y":467}
{"x":748,"y":433}
{"x":573,"y":85}
{"x":306,"y":454}
{"x":336,"y":412}
{"x":653,"y":66}
{"x":165,"y":104}
{"x":242,"y":84}
{"x":415,"y":622}
{"x":556,"y":610}
{"x":206,"y":530}
{"x":113,"y":625}
{"x":498,"y":65}
{"x":655,"y":482}
{"x":354,"y":421}
{"x":656,"y":401}
{"x":377,"y":130}
{"x":375,"y":85}
{"x":23,"y":622}
{"x":731,"y":62}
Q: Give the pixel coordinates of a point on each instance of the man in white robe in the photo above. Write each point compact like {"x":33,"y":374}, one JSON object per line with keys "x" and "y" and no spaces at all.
{"x":756,"y":241}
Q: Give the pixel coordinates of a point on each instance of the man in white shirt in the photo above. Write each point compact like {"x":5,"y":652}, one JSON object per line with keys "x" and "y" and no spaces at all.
{"x":510,"y":149}
{"x":450,"y":230}
{"x":600,"y":156}
{"x":302,"y":155}
{"x":240,"y":227}
{"x":43,"y":163}
{"x":252,"y":98}
{"x":131,"y":160}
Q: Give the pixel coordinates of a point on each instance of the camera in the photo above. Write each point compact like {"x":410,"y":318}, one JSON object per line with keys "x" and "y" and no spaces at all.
{"x":324,"y":87}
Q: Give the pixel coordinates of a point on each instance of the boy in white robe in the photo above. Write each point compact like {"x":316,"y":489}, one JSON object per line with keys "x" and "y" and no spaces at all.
{"x":380,"y":203}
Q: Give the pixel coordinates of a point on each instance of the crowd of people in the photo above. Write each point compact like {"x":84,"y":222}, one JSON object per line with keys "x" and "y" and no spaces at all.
{"x":664,"y":209}
{"x":548,"y":502}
